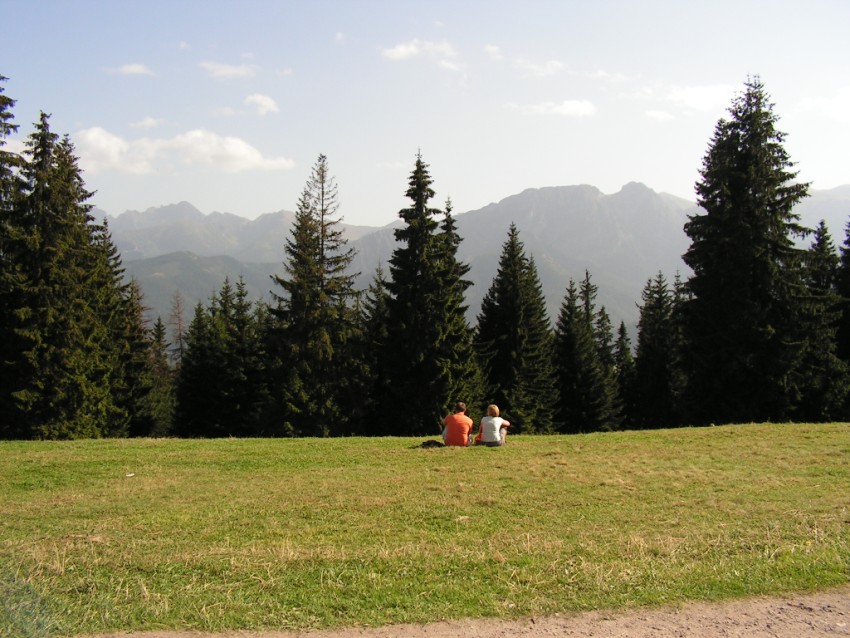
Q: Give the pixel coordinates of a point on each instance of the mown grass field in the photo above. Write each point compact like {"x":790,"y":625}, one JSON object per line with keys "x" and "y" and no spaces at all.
{"x":116,"y":535}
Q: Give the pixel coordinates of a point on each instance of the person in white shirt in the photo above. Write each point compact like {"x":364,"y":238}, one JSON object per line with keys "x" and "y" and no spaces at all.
{"x":493,"y":429}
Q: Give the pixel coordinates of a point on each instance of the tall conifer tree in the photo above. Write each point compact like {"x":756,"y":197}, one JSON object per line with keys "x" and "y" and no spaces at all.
{"x":624,"y":364}
{"x":11,"y":277}
{"x":315,"y":313}
{"x":655,"y":361}
{"x":160,"y":401}
{"x":65,"y":389}
{"x":427,"y":369}
{"x":514,"y":341}
{"x":583,"y":401}
{"x":373,"y":353}
{"x":823,"y":376}
{"x":842,"y":287}
{"x":743,"y":312}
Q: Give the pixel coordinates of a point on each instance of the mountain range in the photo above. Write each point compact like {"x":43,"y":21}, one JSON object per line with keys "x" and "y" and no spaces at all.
{"x":621,"y":239}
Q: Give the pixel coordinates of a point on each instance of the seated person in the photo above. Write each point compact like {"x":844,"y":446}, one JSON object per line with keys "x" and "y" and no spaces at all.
{"x":457,"y":426}
{"x":493,"y":429}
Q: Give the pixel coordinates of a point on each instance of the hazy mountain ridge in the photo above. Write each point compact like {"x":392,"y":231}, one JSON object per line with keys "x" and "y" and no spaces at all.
{"x":622,"y":239}
{"x":182,"y":227}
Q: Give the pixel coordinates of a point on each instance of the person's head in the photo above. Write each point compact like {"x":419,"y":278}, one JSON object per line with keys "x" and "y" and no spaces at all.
{"x":460,"y":407}
{"x":492,"y":410}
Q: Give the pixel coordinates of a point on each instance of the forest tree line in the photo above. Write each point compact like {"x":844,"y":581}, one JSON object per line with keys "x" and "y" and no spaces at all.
{"x":759,"y":332}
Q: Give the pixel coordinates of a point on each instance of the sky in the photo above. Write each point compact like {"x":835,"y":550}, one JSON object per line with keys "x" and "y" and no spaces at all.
{"x":227,"y":105}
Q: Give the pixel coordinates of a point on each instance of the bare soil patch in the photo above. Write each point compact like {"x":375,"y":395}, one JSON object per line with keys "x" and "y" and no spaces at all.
{"x":791,"y":616}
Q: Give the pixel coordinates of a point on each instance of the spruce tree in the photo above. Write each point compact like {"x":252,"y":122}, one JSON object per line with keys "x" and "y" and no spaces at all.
{"x":742,"y":316}
{"x":372,"y":351}
{"x":583,"y":402}
{"x":160,"y":401}
{"x":624,"y":365}
{"x":456,"y":354}
{"x":198,"y":389}
{"x":222,"y":387}
{"x":514,"y":342}
{"x":823,"y":376}
{"x":655,"y":359}
{"x":842,"y":288}
{"x":65,"y":387}
{"x":605,"y":346}
{"x":11,"y":277}
{"x":67,"y":343}
{"x":315,"y":313}
{"x":425,"y":349}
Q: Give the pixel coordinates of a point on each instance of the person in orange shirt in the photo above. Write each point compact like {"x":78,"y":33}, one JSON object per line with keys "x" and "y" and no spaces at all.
{"x":457,"y":426}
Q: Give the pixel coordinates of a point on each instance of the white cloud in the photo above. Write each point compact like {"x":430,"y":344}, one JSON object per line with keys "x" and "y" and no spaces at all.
{"x":439,"y":49}
{"x":403,"y":51}
{"x":184,"y":46}
{"x":835,"y":107}
{"x":661,"y":116}
{"x":229,"y":71}
{"x":548,"y":68}
{"x":442,"y":52}
{"x":229,"y":154}
{"x":494,"y":52}
{"x":263,"y":103}
{"x":133,"y":69}
{"x":147,"y":122}
{"x":568,"y":108}
{"x":601,"y":74}
{"x":14,"y":146}
{"x":702,"y":98}
{"x":339,"y":37}
{"x":101,"y":150}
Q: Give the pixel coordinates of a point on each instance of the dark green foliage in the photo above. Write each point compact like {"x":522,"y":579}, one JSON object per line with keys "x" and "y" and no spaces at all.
{"x":65,"y":362}
{"x":842,"y":287}
{"x":11,"y":277}
{"x":605,"y":348}
{"x":222,"y":388}
{"x":514,"y":342}
{"x":427,"y":351}
{"x":73,"y":356}
{"x":657,"y":385}
{"x":584,"y":402}
{"x":315,"y":316}
{"x":742,"y":317}
{"x":455,"y":352}
{"x":625,"y":376}
{"x":823,"y":376}
{"x":372,"y":348}
{"x":158,"y":405}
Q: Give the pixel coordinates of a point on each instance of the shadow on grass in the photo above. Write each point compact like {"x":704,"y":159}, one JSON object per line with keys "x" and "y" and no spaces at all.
{"x":23,"y":612}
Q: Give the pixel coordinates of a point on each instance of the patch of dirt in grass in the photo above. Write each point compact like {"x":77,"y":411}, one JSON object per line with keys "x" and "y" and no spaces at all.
{"x":792,"y":616}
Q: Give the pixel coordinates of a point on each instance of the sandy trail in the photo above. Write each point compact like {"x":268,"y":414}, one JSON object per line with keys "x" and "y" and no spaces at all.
{"x":792,"y":616}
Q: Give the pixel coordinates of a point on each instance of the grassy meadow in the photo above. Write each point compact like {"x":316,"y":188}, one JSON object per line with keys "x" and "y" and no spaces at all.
{"x":118,"y":535}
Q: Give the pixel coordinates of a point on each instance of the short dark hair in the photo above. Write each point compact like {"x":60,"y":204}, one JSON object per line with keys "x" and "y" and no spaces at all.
{"x":460,"y":406}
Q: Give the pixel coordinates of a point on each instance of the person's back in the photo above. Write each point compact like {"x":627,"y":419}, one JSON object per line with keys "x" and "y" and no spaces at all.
{"x":457,"y":427}
{"x":493,"y":428}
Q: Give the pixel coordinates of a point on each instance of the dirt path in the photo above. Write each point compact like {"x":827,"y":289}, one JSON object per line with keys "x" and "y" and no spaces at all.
{"x":793,"y":616}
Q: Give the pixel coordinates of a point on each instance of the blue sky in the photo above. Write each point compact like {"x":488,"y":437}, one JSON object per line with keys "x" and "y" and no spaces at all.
{"x":228,"y":104}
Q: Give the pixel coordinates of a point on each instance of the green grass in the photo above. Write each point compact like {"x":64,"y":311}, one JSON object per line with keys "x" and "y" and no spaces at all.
{"x":118,"y":535}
